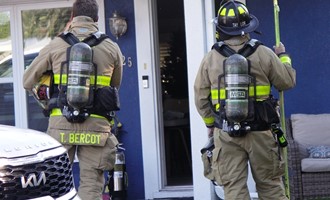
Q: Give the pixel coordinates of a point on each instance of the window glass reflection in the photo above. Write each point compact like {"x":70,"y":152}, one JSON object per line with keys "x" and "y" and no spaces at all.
{"x":6,"y":87}
{"x":7,"y":104}
{"x":39,"y":28}
{"x":5,"y":45}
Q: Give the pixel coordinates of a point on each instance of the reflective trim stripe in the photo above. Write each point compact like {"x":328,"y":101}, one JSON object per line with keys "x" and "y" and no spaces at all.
{"x":231,"y":13}
{"x":223,"y":12}
{"x":209,"y":120}
{"x":214,"y":94}
{"x":58,"y":112}
{"x":241,"y":10}
{"x":217,"y":106}
{"x":262,"y":90}
{"x":285,"y":59}
{"x":101,"y":80}
{"x":98,"y":116}
{"x":57,"y":78}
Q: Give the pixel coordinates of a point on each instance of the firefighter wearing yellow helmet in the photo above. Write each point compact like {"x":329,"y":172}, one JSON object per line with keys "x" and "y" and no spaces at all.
{"x":233,"y":97}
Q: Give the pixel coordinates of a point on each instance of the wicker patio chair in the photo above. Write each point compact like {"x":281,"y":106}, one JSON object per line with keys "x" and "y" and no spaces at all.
{"x":307,"y":184}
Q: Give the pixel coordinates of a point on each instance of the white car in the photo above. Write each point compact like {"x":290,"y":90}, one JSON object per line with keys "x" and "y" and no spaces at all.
{"x":33,"y":165}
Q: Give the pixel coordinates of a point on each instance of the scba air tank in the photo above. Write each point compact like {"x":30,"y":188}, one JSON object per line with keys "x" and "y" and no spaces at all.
{"x":79,"y":73}
{"x":237,"y":82}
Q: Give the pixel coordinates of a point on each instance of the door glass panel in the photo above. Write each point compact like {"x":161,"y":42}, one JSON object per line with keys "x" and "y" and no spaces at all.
{"x":6,"y":72}
{"x":39,"y":28}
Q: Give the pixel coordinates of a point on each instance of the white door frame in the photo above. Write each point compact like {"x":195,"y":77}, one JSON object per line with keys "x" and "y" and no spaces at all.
{"x":198,"y":22}
{"x":200,"y":36}
{"x":146,"y":62}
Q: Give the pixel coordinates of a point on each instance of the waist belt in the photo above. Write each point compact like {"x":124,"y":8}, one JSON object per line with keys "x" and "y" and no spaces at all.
{"x":254,"y":126}
{"x":58,"y":112}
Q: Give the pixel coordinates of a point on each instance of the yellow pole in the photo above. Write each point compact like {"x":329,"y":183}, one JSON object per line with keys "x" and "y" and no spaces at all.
{"x":281,"y":98}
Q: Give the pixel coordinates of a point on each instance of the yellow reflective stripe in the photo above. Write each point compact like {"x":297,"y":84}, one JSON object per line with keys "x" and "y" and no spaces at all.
{"x":217,"y":35}
{"x":262,"y":90}
{"x":101,"y":80}
{"x":58,"y":112}
{"x":223,"y":12}
{"x":97,"y":116}
{"x":217,"y":106}
{"x":208,"y":120}
{"x":241,"y":10}
{"x":231,"y":13}
{"x":214,"y":94}
{"x":57,"y":79}
{"x":285,"y":59}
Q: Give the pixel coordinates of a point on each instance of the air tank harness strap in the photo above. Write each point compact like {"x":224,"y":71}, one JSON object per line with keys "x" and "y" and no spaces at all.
{"x":101,"y":80}
{"x":257,"y":122}
{"x":261,"y":91}
{"x":249,"y":48}
{"x":58,"y":112}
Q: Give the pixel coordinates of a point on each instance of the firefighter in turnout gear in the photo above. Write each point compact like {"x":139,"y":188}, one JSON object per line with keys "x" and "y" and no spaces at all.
{"x":82,"y":91}
{"x":233,"y":97}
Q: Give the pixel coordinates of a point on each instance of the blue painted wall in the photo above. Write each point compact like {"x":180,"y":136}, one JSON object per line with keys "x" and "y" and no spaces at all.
{"x":304,"y":28}
{"x":129,"y":114}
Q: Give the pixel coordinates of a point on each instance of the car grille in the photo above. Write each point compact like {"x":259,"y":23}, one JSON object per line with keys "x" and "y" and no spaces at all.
{"x":27,"y":181}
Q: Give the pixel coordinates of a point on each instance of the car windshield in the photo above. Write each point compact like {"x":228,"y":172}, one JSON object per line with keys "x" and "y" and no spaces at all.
{"x":6,"y":65}
{"x":6,"y":69}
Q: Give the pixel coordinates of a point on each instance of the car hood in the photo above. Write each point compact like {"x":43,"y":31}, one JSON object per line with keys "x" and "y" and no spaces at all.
{"x":18,"y":142}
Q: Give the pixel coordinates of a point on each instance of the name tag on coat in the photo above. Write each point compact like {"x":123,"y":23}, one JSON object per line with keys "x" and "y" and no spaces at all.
{"x":81,"y":138}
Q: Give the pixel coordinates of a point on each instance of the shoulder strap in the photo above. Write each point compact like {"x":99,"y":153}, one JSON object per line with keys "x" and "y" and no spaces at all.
{"x":92,"y":40}
{"x":69,"y":38}
{"x":95,"y":39}
{"x":223,"y":49}
{"x":248,"y":49}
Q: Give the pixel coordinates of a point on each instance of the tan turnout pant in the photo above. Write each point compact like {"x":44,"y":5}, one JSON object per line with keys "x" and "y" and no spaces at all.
{"x":93,"y":161}
{"x":230,"y":162}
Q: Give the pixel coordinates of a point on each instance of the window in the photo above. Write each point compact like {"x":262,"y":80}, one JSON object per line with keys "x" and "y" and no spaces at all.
{"x":24,"y":30}
{"x":6,"y":74}
{"x":40,"y":26}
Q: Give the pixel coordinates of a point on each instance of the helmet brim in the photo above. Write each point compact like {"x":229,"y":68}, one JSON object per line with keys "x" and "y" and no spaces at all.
{"x":253,"y":25}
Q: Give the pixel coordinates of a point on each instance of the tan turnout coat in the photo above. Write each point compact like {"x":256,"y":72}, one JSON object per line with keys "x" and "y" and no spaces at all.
{"x":108,"y":58}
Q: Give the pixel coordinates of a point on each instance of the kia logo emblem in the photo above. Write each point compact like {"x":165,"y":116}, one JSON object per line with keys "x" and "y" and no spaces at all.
{"x":33,"y":180}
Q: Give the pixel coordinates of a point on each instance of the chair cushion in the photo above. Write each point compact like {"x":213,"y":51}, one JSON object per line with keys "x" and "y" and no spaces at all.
{"x":319,"y":152}
{"x":310,"y":130}
{"x":315,"y":165}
